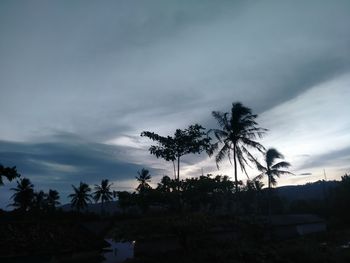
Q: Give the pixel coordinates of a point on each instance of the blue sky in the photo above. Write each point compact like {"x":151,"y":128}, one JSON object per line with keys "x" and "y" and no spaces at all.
{"x":81,"y":80}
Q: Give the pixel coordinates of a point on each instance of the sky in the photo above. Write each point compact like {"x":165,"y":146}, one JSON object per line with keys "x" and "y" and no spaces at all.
{"x":80,"y":80}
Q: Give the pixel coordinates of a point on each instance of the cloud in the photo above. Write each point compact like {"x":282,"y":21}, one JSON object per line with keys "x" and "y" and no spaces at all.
{"x":102,"y":73}
{"x":123,"y":67}
{"x":335,"y":159}
{"x":69,"y":159}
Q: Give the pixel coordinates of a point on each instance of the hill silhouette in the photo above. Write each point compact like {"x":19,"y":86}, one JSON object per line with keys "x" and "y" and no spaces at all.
{"x":316,"y":191}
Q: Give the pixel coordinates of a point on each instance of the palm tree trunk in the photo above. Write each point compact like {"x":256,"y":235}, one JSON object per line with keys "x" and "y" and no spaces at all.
{"x":269,"y":197}
{"x":235,"y":167}
{"x":174,"y":170}
{"x":178,"y":168}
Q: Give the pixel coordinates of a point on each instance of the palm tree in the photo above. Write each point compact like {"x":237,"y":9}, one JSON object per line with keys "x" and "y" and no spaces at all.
{"x":81,"y":196}
{"x":40,"y":200}
{"x":144,"y":178}
{"x":52,"y":199}
{"x":272,"y":170}
{"x":103,"y":192}
{"x":9,"y":173}
{"x":239,"y":132}
{"x":24,"y":194}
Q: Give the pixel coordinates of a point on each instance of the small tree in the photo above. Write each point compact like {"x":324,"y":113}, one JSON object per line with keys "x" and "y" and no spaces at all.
{"x":144,"y":178}
{"x":40,"y":200}
{"x":81,"y":196}
{"x":9,"y":173}
{"x":24,"y":194}
{"x":52,"y":199}
{"x":191,"y":140}
{"x":272,"y":170}
{"x":165,"y":185}
{"x":103,"y":192}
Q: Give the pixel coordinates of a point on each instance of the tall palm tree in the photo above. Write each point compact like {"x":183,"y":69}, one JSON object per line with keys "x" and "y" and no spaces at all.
{"x":24,"y":194}
{"x":272,"y":170}
{"x":81,"y":196}
{"x":52,"y":199}
{"x":238,"y":133}
{"x":144,"y":178}
{"x":103,"y":192}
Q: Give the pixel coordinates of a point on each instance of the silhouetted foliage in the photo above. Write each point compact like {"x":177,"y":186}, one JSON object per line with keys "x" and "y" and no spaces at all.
{"x":238,"y":133}
{"x":144,"y":178}
{"x":126,"y":200}
{"x":340,"y":198}
{"x":81,"y":196}
{"x":40,"y":200}
{"x":272,"y":169}
{"x":165,"y":185}
{"x":9,"y":173}
{"x":190,"y":140}
{"x":207,"y":193}
{"x":52,"y":199}
{"x":252,"y":197}
{"x":24,"y":194}
{"x":103,"y":192}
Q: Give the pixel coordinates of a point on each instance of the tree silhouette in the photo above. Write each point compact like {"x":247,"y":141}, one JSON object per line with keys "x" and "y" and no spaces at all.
{"x":272,"y":169}
{"x":238,"y":132}
{"x":81,"y":196}
{"x":103,"y":192}
{"x":24,"y":194}
{"x":165,"y":185}
{"x":144,"y":178}
{"x":52,"y":199}
{"x":9,"y":173}
{"x":190,"y":140}
{"x":252,"y":196}
{"x":40,"y":200}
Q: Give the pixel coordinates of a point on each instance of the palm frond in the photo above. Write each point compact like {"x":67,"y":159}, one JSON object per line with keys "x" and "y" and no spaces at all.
{"x":258,"y":177}
{"x":281,"y":165}
{"x":225,"y":150}
{"x":271,"y":155}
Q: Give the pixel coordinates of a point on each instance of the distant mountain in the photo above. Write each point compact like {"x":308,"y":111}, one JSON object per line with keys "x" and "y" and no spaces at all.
{"x":109,"y":207}
{"x":316,"y":190}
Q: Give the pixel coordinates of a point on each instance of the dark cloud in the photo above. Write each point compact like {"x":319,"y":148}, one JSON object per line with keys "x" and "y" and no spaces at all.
{"x":337,"y":158}
{"x":69,"y":159}
{"x":120,"y":65}
{"x":107,"y":71}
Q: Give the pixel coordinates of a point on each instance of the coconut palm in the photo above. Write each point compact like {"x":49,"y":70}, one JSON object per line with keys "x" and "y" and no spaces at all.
{"x":272,"y":169}
{"x":40,"y":200}
{"x":103,"y":192}
{"x":52,"y":199}
{"x":144,"y":178}
{"x":81,"y":196}
{"x":24,"y":194}
{"x":9,"y":173}
{"x":238,"y":133}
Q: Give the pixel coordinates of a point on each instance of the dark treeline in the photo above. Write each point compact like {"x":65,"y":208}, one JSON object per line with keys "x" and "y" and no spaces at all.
{"x":217,"y":195}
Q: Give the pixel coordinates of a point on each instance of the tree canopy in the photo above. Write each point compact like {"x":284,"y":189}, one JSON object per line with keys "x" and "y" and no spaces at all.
{"x":239,"y":131}
{"x":194,"y":139}
{"x":9,"y":173}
